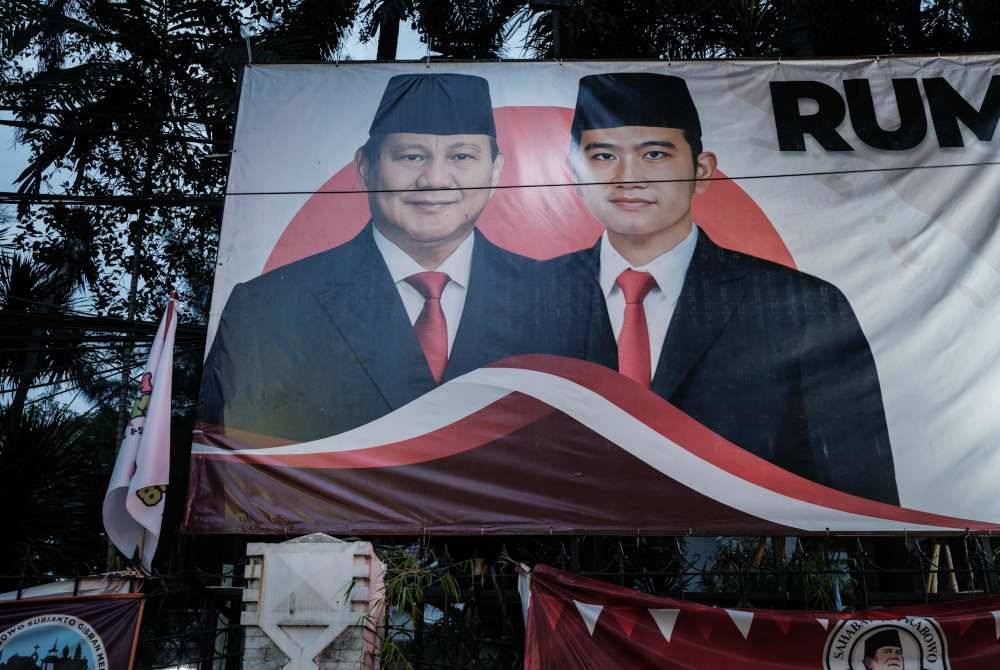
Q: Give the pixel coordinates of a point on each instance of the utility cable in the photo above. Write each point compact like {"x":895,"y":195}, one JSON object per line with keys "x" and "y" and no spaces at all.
{"x":211,"y":199}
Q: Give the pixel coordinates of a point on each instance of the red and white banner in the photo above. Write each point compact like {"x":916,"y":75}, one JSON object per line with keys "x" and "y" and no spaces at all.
{"x":580,"y":623}
{"x":528,"y":441}
{"x":136,"y":496}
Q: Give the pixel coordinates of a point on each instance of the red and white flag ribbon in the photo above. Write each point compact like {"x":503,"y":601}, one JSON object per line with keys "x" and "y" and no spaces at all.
{"x":477,"y":417}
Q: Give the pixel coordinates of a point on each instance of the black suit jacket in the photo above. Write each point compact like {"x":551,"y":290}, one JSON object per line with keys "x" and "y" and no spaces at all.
{"x":324,"y":345}
{"x":774,"y":360}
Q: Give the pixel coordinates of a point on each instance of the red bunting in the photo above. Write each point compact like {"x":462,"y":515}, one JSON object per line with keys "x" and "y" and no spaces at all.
{"x":605,"y":626}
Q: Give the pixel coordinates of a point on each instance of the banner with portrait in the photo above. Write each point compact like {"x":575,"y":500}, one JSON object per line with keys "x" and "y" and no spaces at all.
{"x":710,"y":297}
{"x":576,"y":622}
{"x":70,"y":633}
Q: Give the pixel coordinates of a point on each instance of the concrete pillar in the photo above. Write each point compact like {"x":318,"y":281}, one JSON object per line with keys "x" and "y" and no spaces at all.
{"x":312,"y":602}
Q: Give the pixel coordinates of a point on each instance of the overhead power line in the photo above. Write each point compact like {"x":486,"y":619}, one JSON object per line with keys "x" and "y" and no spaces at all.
{"x":94,"y":132}
{"x":10,"y":198}
{"x":215,"y":200}
{"x":91,"y":324}
{"x":109,"y":115}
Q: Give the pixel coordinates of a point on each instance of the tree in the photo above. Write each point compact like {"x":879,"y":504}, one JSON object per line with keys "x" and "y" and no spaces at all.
{"x":48,"y":465}
{"x":38,"y":353}
{"x":678,"y":29}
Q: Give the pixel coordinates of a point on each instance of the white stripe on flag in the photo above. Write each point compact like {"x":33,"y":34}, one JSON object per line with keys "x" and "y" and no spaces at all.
{"x":473,"y":391}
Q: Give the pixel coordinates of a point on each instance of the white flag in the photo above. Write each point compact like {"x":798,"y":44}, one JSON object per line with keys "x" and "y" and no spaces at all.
{"x":133,"y":505}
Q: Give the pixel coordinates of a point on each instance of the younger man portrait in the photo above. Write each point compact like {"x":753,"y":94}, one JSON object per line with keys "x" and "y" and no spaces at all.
{"x":770,"y":358}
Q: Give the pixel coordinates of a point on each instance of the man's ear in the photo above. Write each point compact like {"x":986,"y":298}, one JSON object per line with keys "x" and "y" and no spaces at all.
{"x":497,"y":170}
{"x":703,"y":170}
{"x":362,"y":167}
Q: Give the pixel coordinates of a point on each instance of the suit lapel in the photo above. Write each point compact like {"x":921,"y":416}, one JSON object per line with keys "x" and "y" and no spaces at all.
{"x":710,"y":294}
{"x":365,"y":309}
{"x":488,"y":330}
{"x":602,"y":347}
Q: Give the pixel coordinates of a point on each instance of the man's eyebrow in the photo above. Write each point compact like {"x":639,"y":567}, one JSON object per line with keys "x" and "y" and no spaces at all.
{"x":656,"y":143}
{"x":601,"y":145}
{"x":465,"y":145}
{"x":406,"y":146}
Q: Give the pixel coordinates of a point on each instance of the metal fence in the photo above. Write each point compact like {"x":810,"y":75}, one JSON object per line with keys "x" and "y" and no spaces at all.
{"x":454,"y":602}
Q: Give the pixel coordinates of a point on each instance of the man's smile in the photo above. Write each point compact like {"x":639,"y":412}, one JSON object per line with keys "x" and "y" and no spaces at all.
{"x":430,"y":204}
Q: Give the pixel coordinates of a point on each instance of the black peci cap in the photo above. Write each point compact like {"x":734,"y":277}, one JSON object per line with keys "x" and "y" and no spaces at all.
{"x":438,"y":104}
{"x":885,"y":638}
{"x":634,"y":99}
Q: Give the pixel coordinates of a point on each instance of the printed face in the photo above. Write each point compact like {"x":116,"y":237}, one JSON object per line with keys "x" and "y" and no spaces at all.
{"x":634,"y":167}
{"x":433,"y":187}
{"x":886,"y":658}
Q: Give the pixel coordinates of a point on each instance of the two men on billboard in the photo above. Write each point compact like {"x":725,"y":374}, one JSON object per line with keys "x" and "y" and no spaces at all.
{"x":771,"y":359}
{"x":343,"y":337}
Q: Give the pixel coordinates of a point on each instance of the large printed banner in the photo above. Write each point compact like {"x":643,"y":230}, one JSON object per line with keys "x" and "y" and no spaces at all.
{"x":575,"y":622}
{"x":737,"y":297}
{"x":70,"y":633}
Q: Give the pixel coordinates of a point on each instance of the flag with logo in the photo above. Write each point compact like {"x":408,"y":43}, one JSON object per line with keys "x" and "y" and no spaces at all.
{"x":70,"y":633}
{"x":575,"y":622}
{"x":136,"y":497}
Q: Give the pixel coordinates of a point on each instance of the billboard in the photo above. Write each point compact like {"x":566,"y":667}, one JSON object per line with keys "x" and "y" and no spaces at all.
{"x":705,"y":297}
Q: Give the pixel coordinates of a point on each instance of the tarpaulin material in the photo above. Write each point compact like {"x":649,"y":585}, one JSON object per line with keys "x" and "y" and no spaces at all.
{"x":726,"y":297}
{"x":82,"y":633}
{"x":576,"y":622}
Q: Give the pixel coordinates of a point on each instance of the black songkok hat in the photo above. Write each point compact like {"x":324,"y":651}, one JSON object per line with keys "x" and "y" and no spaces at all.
{"x":438,"y":104}
{"x":634,"y":99}
{"x":885,"y":638}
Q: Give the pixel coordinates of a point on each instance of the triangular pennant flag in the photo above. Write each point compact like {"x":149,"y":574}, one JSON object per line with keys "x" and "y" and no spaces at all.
{"x":996,"y":622}
{"x":964,"y":624}
{"x":625,"y":618}
{"x":590,"y":613}
{"x":784,"y":623}
{"x":551,"y":608}
{"x":705,"y":622}
{"x":742,"y":619}
{"x":825,"y":623}
{"x":665,"y":621}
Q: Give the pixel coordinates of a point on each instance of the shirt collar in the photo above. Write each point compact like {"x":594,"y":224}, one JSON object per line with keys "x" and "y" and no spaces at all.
{"x":457,"y":266}
{"x":668,"y":269}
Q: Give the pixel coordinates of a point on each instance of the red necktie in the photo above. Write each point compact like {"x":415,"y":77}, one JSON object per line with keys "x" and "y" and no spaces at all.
{"x":633,"y":341}
{"x":431,"y":328}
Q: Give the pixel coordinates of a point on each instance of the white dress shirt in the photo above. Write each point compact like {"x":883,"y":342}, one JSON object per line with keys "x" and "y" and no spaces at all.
{"x":457,"y":266}
{"x":668,"y":269}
